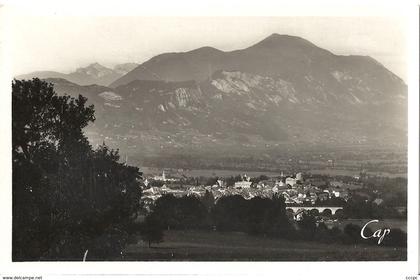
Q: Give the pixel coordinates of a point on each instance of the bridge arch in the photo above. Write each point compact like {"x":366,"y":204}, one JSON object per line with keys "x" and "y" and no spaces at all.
{"x":329,"y":210}
{"x":339,"y":213}
{"x":314,"y":211}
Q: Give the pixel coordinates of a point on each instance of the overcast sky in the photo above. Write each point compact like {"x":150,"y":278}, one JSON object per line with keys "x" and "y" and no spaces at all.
{"x":61,"y":43}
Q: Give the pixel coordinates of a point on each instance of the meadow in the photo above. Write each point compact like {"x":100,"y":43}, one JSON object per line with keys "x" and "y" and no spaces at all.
{"x":194,"y":245}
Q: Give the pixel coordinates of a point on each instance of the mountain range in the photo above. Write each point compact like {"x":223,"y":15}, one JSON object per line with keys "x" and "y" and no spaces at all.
{"x":282,"y":92}
{"x":94,"y":73}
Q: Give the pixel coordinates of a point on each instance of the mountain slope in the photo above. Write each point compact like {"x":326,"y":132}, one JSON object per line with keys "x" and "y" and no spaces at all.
{"x":281,"y":91}
{"x":194,"y":65}
{"x":278,"y":55}
{"x":92,"y":74}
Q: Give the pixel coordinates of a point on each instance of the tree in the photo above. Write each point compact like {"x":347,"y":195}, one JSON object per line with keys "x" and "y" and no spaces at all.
{"x":208,"y":200}
{"x":336,"y":235}
{"x":260,"y":178}
{"x":186,"y":212}
{"x":258,"y":216}
{"x":396,"y":237}
{"x":352,"y":233}
{"x":358,"y":208}
{"x":258,"y":210}
{"x":230,"y":213}
{"x":307,"y":226}
{"x":46,"y":135}
{"x":65,"y":194}
{"x":152,"y":230}
{"x":322,"y":234}
{"x":276,"y":221}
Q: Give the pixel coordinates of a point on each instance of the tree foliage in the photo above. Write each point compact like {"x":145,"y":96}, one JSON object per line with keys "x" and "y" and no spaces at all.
{"x":186,"y":212}
{"x":152,"y":230}
{"x":258,"y":216}
{"x":307,"y":226}
{"x":66,"y":195}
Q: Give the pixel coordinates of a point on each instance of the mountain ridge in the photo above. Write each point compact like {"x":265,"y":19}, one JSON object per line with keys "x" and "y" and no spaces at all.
{"x":93,"y":73}
{"x":269,"y":55}
{"x":282,"y":94}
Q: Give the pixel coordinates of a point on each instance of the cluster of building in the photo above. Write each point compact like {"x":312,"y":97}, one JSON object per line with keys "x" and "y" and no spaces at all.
{"x":163,"y":178}
{"x":295,"y":189}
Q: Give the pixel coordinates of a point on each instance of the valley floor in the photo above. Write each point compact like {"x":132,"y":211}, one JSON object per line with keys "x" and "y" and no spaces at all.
{"x":215,"y":246}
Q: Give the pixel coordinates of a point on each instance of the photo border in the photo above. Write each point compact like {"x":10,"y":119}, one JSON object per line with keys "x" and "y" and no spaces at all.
{"x":206,"y":270}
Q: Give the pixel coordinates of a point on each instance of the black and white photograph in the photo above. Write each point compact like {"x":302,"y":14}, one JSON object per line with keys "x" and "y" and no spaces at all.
{"x":148,"y":139}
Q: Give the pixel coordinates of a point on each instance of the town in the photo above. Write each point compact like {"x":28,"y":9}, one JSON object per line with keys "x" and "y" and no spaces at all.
{"x":321,"y":196}
{"x":296,"y":189}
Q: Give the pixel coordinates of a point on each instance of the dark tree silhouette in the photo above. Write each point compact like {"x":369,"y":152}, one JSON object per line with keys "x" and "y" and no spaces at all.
{"x":307,"y":226}
{"x":66,"y":196}
{"x":276,"y":221}
{"x":208,"y":200}
{"x":396,"y":238}
{"x":230,"y":213}
{"x":260,"y":216}
{"x":352,"y":233}
{"x":186,"y":212}
{"x":152,"y":230}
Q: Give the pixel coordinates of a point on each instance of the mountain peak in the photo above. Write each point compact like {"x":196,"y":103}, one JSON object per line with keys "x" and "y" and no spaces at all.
{"x":97,"y":66}
{"x":276,"y":40}
{"x":277,"y":35}
{"x":205,"y":49}
{"x":93,"y":66}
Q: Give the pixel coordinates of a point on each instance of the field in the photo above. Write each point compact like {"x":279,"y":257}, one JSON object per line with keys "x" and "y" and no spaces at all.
{"x":215,"y":246}
{"x":343,"y":172}
{"x":231,"y":172}
{"x":208,"y":172}
{"x":334,"y":161}
{"x":387,"y":223}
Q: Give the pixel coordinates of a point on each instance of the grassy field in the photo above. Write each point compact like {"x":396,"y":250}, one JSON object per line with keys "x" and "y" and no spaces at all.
{"x":387,"y":223}
{"x":344,"y":172}
{"x":215,"y":246}
{"x":209,"y":172}
{"x":227,"y":173}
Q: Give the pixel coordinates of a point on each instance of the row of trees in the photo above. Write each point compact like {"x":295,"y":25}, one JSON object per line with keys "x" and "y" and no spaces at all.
{"x":358,"y":207}
{"x":257,"y":216}
{"x":230,"y":213}
{"x":67,"y":197}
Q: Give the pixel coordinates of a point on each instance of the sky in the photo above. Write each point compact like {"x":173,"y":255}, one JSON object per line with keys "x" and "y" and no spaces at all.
{"x":64,"y":43}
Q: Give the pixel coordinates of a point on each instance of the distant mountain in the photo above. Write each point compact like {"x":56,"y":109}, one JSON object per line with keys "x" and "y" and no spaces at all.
{"x":124,"y":68}
{"x":194,"y":65}
{"x":42,"y":75}
{"x":279,"y":93}
{"x":291,"y":58}
{"x":94,"y":73}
